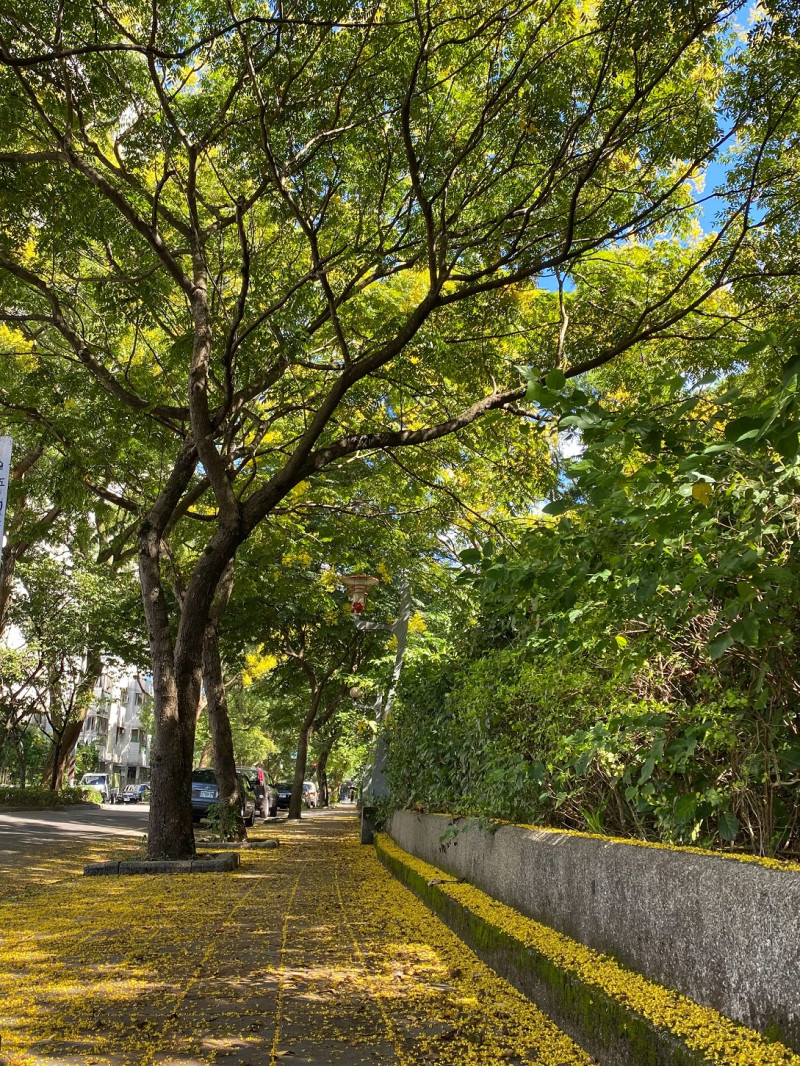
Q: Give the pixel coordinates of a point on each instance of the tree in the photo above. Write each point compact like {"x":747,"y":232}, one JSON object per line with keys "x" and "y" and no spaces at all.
{"x":72,"y":617}
{"x":19,"y":672}
{"x":259,"y":244}
{"x":308,"y":648}
{"x":30,"y":518}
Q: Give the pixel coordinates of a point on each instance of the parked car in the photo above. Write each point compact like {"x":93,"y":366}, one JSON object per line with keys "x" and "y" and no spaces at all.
{"x":309,"y":794}
{"x":266,"y":796}
{"x":284,"y":791}
{"x":106,"y":784}
{"x":136,"y":793}
{"x":205,"y":792}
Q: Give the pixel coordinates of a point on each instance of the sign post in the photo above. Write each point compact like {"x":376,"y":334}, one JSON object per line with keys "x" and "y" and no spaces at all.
{"x":5,"y":474}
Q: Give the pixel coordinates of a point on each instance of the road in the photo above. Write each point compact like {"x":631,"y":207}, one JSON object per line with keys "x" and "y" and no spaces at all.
{"x":33,"y":842}
{"x":24,"y":833}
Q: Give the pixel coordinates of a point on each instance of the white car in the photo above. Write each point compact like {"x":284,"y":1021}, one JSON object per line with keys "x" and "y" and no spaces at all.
{"x":106,"y":784}
{"x":309,"y":794}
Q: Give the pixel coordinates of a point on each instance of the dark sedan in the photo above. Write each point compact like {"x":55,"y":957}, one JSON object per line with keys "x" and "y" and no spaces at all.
{"x":136,"y":793}
{"x":205,"y":792}
{"x":284,"y":794}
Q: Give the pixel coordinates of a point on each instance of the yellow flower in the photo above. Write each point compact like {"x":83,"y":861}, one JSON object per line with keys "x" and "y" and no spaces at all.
{"x":257,"y":666}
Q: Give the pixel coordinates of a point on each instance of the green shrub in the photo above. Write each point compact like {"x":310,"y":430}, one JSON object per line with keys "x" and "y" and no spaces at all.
{"x":560,"y":740}
{"x":47,"y":797}
{"x":632,"y":666}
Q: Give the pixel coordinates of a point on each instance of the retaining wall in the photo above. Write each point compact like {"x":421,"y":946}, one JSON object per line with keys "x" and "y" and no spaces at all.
{"x":722,"y":932}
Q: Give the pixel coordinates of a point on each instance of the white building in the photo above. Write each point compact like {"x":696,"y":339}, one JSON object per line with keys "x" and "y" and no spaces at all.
{"x":113,"y":725}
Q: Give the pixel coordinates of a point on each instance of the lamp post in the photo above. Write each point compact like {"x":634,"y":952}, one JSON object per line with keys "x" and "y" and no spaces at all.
{"x":5,"y":475}
{"x":358,"y":586}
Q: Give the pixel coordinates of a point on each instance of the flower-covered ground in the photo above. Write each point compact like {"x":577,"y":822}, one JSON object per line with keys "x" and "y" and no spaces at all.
{"x":311,"y":953}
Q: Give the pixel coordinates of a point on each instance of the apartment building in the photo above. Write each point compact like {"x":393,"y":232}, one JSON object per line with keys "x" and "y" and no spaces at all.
{"x":114,"y":726}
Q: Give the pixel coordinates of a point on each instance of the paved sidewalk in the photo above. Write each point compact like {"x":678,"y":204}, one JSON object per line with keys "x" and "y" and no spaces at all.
{"x":310,"y":953}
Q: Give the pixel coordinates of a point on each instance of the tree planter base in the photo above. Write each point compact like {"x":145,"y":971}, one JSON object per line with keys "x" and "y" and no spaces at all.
{"x":242,"y":845}
{"x":201,"y":864}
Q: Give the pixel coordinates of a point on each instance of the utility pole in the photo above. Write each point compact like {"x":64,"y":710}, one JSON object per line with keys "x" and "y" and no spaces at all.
{"x":376,"y":787}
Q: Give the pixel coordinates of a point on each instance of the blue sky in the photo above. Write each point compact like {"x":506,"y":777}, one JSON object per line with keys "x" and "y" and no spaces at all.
{"x":715,"y":173}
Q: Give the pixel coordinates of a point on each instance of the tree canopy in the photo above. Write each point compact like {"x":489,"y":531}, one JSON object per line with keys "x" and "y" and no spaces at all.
{"x":241,"y":244}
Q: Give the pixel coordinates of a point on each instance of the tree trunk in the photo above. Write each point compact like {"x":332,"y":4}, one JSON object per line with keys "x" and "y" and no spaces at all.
{"x":296,"y":802}
{"x":322,"y":773}
{"x":218,"y":719}
{"x":170,"y":831}
{"x":6,"y":584}
{"x":58,"y":759}
{"x":177,"y":664}
{"x":21,"y":760}
{"x":16,"y":548}
{"x":51,"y":777}
{"x":327,"y":744}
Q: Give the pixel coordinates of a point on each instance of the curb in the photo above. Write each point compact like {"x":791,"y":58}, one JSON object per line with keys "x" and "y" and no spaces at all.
{"x":207,"y":864}
{"x":242,"y":845}
{"x":618,"y":1016}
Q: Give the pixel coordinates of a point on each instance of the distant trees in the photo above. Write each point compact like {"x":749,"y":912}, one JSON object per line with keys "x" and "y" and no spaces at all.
{"x":68,"y":619}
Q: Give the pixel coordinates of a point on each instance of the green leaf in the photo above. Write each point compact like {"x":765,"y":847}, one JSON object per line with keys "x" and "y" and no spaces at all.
{"x":538,"y":394}
{"x":743,"y":429}
{"x":746,"y":630}
{"x":791,"y":369}
{"x":647,"y":770}
{"x":789,"y":758}
{"x":557,"y":507}
{"x":556,"y":380}
{"x":685,"y":806}
{"x":648,"y":583}
{"x":786,"y":444}
{"x":182,"y":347}
{"x":470,"y":556}
{"x":746,"y":591}
{"x":582,"y":763}
{"x":584,"y":419}
{"x":715,"y":449}
{"x":718,"y":646}
{"x":728,"y":826}
{"x":537,"y":773}
{"x":760,"y":344}
{"x":622,"y":642}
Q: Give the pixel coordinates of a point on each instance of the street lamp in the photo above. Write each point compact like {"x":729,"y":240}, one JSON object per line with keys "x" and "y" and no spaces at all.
{"x":358,"y":588}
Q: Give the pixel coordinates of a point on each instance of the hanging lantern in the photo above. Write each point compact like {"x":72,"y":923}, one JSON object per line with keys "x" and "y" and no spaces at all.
{"x":358,"y":586}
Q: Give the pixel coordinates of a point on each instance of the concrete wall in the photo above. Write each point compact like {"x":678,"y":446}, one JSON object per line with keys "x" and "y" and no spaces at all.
{"x":724,"y":933}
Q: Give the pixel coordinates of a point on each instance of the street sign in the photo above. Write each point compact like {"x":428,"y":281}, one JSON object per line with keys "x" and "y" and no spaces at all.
{"x":5,"y":474}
